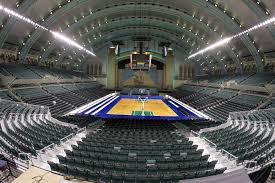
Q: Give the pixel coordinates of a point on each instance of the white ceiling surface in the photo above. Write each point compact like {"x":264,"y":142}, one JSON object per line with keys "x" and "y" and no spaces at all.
{"x":239,"y":9}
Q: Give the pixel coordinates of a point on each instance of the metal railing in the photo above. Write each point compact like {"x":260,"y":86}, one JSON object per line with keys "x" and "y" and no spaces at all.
{"x":25,"y":158}
{"x":64,"y":139}
{"x":229,"y":155}
{"x":41,"y":151}
{"x":196,"y":134}
{"x":210,"y":142}
{"x":81,"y":130}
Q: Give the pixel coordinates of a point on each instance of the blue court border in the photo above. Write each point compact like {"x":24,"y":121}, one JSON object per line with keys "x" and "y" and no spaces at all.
{"x":181,"y":117}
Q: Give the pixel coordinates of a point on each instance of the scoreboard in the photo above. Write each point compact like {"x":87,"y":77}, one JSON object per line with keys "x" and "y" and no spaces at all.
{"x":140,"y":61}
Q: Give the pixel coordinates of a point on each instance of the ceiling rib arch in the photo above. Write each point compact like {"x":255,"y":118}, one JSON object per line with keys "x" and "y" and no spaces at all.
{"x":153,"y":25}
{"x":232,"y":24}
{"x":4,"y":34}
{"x":260,"y":14}
{"x":118,"y":23}
{"x":136,"y":22}
{"x":25,"y":48}
{"x":133,"y":31}
{"x":182,"y":15}
{"x":251,"y":48}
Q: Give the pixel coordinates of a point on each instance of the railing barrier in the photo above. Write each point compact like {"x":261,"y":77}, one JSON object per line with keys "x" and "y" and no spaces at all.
{"x":210,"y":142}
{"x":64,"y":139}
{"x":196,"y":134}
{"x":81,"y":130}
{"x":229,"y":155}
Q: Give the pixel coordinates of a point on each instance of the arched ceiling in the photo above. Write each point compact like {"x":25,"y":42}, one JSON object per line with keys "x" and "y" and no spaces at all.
{"x":189,"y":25}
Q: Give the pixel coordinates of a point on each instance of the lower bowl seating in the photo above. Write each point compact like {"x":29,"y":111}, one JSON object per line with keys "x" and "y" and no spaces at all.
{"x":136,"y":151}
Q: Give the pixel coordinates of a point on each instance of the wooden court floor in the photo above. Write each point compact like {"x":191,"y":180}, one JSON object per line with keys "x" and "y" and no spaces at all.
{"x":37,"y":175}
{"x":127,"y":106}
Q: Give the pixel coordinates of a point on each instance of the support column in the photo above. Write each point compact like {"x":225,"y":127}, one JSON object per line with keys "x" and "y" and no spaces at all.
{"x":169,"y":70}
{"x":184,"y":71}
{"x":111,"y":76}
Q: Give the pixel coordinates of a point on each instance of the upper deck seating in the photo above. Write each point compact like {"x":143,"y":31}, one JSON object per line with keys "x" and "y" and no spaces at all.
{"x":21,"y":72}
{"x":4,"y":95}
{"x":259,"y":79}
{"x":249,"y":100}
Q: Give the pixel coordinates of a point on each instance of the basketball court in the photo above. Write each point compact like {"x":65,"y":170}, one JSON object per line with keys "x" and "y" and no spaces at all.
{"x":114,"y":106}
{"x":37,"y":175}
{"x":152,"y":107}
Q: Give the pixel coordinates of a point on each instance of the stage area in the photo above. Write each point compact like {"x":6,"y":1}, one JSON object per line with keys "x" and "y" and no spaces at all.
{"x":131,"y":107}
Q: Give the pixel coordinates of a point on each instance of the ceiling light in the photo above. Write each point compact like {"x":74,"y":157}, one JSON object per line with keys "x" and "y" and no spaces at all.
{"x":57,"y":35}
{"x":227,"y":40}
{"x":70,"y":42}
{"x":217,"y":44}
{"x":264,"y":23}
{"x":13,"y":13}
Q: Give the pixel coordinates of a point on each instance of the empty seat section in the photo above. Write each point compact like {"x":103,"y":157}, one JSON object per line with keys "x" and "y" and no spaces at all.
{"x":120,"y":151}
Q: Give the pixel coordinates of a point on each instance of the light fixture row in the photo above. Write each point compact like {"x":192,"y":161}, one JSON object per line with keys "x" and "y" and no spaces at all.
{"x":227,"y":40}
{"x":56,"y":35}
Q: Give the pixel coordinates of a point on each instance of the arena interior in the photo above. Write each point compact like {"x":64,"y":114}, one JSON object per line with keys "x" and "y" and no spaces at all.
{"x":137,"y":91}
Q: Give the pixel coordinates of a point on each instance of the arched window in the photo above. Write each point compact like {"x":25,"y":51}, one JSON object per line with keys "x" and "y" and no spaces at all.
{"x":100,"y":69}
{"x":92,"y":69}
{"x":181,"y":71}
{"x":95,"y":70}
{"x":88,"y":69}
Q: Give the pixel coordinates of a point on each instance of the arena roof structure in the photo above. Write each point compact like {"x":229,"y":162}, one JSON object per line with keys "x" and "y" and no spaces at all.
{"x":188,"y":25}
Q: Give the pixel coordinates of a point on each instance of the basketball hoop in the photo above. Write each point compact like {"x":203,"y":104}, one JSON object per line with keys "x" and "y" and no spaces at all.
{"x":143,"y":101}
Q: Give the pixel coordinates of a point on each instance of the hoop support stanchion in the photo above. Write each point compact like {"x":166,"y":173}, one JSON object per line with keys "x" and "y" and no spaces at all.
{"x":142,"y":100}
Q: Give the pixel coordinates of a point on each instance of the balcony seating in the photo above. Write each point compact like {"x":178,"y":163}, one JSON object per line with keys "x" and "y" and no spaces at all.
{"x":66,"y":95}
{"x":4,"y":95}
{"x":31,"y":93}
{"x":3,"y":71}
{"x":259,"y":79}
{"x":240,"y":78}
{"x":90,"y":92}
{"x":271,"y":104}
{"x":256,"y":79}
{"x":248,"y":100}
{"x":21,"y":72}
{"x":36,"y":72}
{"x":219,"y":79}
{"x":224,"y":94}
{"x":59,"y":98}
{"x":40,"y":97}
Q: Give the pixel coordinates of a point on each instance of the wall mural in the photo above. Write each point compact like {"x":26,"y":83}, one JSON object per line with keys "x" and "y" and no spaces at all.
{"x":152,"y":78}
{"x":140,"y":78}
